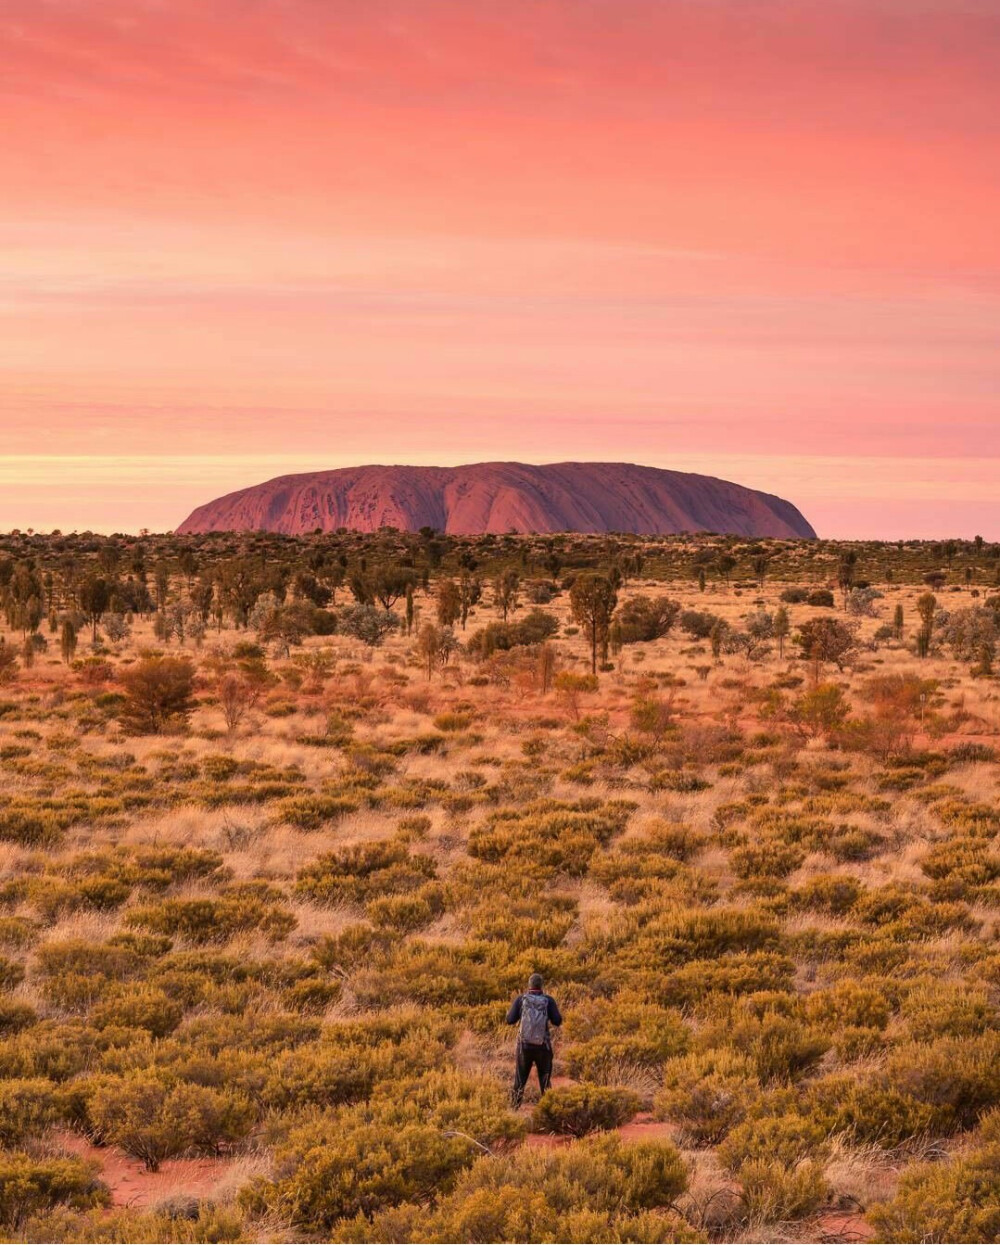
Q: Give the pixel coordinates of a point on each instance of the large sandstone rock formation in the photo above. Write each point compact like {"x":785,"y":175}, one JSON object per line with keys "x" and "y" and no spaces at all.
{"x":502,"y":497}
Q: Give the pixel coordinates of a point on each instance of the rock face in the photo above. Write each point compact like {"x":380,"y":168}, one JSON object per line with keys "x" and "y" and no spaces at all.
{"x":501,"y":497}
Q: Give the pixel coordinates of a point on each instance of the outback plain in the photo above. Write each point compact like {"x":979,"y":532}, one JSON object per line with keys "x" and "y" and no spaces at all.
{"x":286,"y":823}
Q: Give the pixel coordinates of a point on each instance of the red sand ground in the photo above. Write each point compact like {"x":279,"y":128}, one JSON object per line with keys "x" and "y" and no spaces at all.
{"x":132,"y":1185}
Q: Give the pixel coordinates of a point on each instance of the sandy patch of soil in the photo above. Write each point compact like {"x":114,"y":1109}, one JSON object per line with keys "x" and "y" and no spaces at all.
{"x":132,"y":1185}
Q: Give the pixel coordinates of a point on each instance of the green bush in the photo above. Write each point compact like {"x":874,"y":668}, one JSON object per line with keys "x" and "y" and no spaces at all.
{"x":580,"y":1109}
{"x":944,"y":1010}
{"x":30,"y":1186}
{"x":152,"y":1120}
{"x":550,"y":835}
{"x":27,"y":1109}
{"x":363,"y":873}
{"x":312,"y":812}
{"x":774,"y":1193}
{"x":706,"y":1094}
{"x":138,"y":1007}
{"x":239,"y":908}
{"x":833,"y":894}
{"x":781,"y":1047}
{"x":868,"y":1111}
{"x":958,"y":1077}
{"x":849,"y":1003}
{"x":741,"y":973}
{"x":179,"y":1221}
{"x":599,"y":1189}
{"x":352,"y":1163}
{"x":954,"y":1201}
{"x":608,"y":1034}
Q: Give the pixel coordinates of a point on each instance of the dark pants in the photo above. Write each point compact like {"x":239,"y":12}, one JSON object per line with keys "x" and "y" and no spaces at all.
{"x":529,"y":1057}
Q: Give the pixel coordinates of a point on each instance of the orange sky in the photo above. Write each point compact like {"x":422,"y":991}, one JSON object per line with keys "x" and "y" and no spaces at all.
{"x":753,"y":238}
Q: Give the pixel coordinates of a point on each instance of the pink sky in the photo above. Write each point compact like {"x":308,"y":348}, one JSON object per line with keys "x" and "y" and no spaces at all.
{"x":751,"y":238}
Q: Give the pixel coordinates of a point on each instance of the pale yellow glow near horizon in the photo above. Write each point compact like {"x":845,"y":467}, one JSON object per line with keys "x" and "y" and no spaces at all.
{"x":104,"y":492}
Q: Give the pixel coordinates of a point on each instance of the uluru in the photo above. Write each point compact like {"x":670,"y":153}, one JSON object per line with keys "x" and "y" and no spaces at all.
{"x":501,"y":497}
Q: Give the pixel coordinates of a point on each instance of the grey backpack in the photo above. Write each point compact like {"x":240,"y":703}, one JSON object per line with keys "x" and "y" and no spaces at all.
{"x":534,"y":1019}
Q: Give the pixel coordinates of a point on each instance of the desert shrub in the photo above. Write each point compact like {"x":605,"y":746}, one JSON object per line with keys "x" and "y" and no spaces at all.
{"x":673,"y":839}
{"x":55,"y":1050}
{"x":513,"y":1215}
{"x":30,"y":1186}
{"x":954,"y":1201}
{"x":137,"y":1006}
{"x":312,"y":812}
{"x":787,"y":1138}
{"x":536,"y":627}
{"x":795,"y":596}
{"x":606,"y":1034}
{"x":902,"y":912}
{"x":432,"y":974}
{"x":699,"y":623}
{"x":475,"y":1105}
{"x":868,"y":1111}
{"x":773,"y":1192}
{"x":734,"y":974}
{"x":820,"y":598}
{"x":833,"y":894}
{"x":941,"y":1009}
{"x":29,"y":826}
{"x":971,"y":817}
{"x":958,"y":1077}
{"x":549,"y":835}
{"x":320,"y":1076}
{"x":780,"y":1047}
{"x":706,"y":1094}
{"x":182,"y":1221}
{"x":599,"y":1189}
{"x":766,"y":858}
{"x":11,"y":973}
{"x":16,"y":931}
{"x":642,"y":619}
{"x":580,"y":1109}
{"x":15,"y":1016}
{"x":652,"y":855}
{"x":849,"y":1003}
{"x":521,"y":918}
{"x":159,"y":695}
{"x":971,"y":753}
{"x":962,"y":862}
{"x":240,"y":907}
{"x":353,"y":946}
{"x":151,"y":1119}
{"x":312,"y":994}
{"x":696,"y":935}
{"x":366,"y":1159}
{"x":27,"y":1109}
{"x":606,"y":1173}
{"x":406,"y":913}
{"x":74,"y":973}
{"x":365,"y":872}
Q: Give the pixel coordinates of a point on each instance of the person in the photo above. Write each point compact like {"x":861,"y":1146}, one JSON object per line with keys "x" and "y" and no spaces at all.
{"x":533,"y":1012}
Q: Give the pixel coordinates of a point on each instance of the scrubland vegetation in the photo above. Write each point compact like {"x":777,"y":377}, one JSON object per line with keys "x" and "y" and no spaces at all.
{"x":285,"y":824}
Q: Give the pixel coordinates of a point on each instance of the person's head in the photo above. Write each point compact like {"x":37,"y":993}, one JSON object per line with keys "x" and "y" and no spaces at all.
{"x":535,"y":981}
